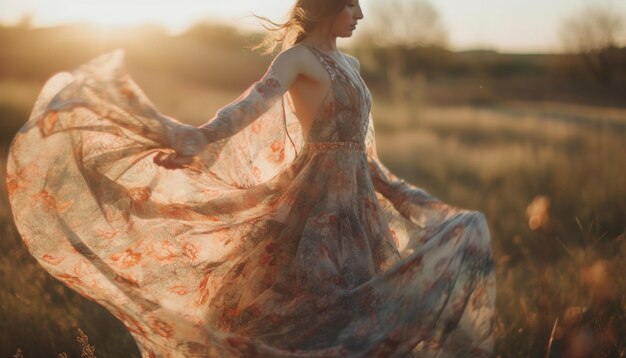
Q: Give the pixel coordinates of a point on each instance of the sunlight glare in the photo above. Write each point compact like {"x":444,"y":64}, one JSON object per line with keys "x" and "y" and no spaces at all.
{"x":121,"y":13}
{"x":116,"y":13}
{"x":174,"y":16}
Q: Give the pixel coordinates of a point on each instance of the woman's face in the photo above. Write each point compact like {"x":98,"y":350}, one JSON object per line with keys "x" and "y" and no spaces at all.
{"x":345,"y":21}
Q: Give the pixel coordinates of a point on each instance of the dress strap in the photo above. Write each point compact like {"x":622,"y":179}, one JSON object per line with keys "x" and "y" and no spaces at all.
{"x":320,"y":56}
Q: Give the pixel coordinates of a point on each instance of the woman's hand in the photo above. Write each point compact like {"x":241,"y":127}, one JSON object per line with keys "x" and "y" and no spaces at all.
{"x":187,"y":140}
{"x":172,"y":160}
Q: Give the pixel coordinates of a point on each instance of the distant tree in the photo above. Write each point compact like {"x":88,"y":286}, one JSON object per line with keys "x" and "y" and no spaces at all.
{"x":26,"y":21}
{"x":594,"y":34}
{"x":404,"y":23}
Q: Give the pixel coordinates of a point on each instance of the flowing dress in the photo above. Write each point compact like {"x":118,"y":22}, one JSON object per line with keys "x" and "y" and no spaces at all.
{"x":273,"y":243}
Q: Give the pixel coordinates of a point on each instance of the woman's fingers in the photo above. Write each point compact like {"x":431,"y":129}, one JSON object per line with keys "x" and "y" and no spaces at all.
{"x":172,"y":160}
{"x":175,"y":162}
{"x":179,"y":160}
{"x":187,"y":141}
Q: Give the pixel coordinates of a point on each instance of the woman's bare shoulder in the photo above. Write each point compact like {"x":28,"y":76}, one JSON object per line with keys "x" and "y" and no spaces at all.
{"x":299,"y":60}
{"x":296,"y":57}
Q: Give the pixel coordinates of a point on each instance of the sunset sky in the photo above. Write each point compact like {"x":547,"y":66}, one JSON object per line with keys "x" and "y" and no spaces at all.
{"x":504,"y":25}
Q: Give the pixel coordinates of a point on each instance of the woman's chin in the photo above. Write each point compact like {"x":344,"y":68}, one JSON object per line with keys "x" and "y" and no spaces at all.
{"x":346,"y":34}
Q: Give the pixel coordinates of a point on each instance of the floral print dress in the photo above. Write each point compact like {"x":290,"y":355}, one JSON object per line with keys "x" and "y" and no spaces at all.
{"x":272,"y":243}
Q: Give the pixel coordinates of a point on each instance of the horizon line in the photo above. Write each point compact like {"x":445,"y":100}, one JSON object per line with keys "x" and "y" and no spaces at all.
{"x":255,"y":30}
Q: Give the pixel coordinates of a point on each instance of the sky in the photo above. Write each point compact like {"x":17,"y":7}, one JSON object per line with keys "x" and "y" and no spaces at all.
{"x":512,"y":26}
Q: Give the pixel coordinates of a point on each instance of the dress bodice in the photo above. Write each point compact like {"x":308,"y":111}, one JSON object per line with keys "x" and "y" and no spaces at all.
{"x":343,"y":114}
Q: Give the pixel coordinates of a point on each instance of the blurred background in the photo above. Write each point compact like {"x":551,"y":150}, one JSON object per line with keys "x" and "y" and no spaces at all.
{"x":516,"y":109}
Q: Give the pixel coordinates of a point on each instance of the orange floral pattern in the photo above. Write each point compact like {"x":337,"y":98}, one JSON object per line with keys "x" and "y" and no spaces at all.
{"x":272,"y":243}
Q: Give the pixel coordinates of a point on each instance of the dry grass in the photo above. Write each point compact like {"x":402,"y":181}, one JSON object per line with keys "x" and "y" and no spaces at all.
{"x":499,"y":160}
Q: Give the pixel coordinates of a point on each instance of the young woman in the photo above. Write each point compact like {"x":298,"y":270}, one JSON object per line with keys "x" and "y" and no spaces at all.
{"x":274,"y":230}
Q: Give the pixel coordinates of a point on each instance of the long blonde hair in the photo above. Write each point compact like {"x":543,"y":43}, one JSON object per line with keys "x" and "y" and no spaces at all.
{"x":303,"y":17}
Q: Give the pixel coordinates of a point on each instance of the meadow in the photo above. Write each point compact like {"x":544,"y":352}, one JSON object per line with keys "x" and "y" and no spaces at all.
{"x":547,"y":173}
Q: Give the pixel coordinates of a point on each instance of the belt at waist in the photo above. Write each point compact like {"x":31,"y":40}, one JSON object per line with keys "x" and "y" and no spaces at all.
{"x":335,"y":145}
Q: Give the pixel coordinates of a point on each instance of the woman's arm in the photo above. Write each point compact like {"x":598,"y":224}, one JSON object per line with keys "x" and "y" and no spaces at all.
{"x":257,"y":99}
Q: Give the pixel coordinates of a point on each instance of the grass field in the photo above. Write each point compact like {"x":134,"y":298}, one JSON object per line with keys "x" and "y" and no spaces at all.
{"x":518,"y":162}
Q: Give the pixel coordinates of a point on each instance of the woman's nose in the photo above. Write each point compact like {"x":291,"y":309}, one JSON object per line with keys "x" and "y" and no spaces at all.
{"x":359,"y":13}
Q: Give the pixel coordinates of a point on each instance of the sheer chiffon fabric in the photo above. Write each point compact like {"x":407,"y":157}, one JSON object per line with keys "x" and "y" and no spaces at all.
{"x":272,"y":243}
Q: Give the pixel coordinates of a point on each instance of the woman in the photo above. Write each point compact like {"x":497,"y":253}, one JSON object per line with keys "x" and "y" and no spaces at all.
{"x":273,"y":230}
